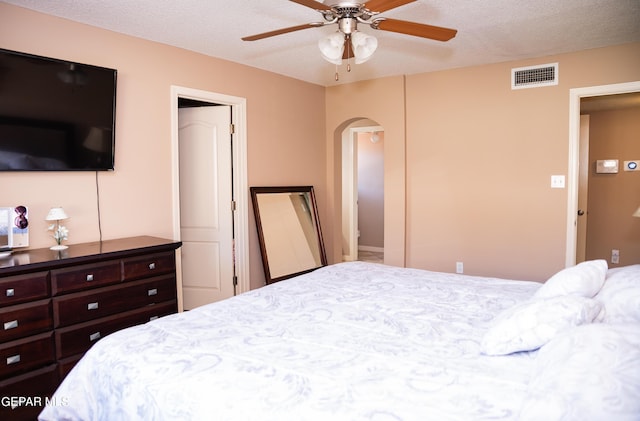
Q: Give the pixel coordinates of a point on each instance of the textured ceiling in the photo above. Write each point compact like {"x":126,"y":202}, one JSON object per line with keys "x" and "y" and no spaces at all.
{"x":489,"y":31}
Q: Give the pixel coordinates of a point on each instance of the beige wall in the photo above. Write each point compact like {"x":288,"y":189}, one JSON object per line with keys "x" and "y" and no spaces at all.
{"x":136,"y":199}
{"x":479,"y":159}
{"x":613,"y":198}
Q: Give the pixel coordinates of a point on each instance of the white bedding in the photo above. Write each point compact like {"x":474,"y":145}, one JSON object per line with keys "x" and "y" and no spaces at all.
{"x":353,"y":341}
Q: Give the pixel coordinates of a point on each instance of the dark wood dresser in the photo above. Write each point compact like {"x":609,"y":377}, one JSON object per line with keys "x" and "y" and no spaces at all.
{"x":55,"y":304}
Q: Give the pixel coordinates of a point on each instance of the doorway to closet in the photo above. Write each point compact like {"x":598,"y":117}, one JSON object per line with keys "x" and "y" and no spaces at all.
{"x":209,"y":195}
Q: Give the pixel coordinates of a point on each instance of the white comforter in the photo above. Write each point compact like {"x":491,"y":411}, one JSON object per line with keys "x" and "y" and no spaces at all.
{"x":353,"y":341}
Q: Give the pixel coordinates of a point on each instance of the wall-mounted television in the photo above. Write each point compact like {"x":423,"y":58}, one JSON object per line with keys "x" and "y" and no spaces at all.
{"x":55,"y":115}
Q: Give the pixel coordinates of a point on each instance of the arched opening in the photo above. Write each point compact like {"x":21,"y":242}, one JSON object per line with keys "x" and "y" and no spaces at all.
{"x":363,"y":191}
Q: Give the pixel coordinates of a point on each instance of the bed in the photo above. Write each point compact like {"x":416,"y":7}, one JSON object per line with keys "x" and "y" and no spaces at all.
{"x":362,"y":341}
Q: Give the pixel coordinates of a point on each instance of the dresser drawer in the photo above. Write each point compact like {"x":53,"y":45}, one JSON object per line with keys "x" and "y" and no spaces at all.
{"x":22,"y":288}
{"x":149,"y":265}
{"x":85,"y":276}
{"x":89,"y":305}
{"x":25,"y":354}
{"x":79,"y":338}
{"x":35,"y":388}
{"x":25,"y":320}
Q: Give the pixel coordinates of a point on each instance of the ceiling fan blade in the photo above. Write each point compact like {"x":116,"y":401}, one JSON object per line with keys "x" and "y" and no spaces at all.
{"x":282,"y":31}
{"x":384,"y":5}
{"x":416,"y":29}
{"x":312,"y":4}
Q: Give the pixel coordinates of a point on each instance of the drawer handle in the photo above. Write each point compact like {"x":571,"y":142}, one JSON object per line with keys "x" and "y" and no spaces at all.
{"x":153,"y":291}
{"x":11,"y":325}
{"x":13,"y":359}
{"x":90,"y":277}
{"x":11,"y":292}
{"x":94,"y":336}
{"x":92,"y":306}
{"x":152,"y":266}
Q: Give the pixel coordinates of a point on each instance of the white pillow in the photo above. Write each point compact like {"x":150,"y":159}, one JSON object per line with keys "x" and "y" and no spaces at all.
{"x":621,"y":295}
{"x":529,"y":325}
{"x":584,"y":280}
{"x":590,"y":373}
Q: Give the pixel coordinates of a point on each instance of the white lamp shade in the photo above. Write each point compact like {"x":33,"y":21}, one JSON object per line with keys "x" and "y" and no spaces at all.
{"x":363,"y":46}
{"x":332,"y":47}
{"x":637,"y":213}
{"x":56,"y":214}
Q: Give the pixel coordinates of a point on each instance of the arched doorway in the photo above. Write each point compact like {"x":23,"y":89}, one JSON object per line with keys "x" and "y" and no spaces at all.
{"x":363,"y":191}
{"x":362,"y":199}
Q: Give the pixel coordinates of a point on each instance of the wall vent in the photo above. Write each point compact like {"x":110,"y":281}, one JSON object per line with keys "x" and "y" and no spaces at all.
{"x":534,"y":76}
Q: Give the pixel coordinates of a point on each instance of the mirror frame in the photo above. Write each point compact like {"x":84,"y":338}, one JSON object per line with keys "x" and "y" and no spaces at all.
{"x":255,"y":191}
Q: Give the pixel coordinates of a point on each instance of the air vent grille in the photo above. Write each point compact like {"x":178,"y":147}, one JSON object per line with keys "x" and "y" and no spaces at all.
{"x":534,"y":76}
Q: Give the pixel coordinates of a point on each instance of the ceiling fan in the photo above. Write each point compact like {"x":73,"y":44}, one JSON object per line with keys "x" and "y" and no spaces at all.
{"x":348,"y":42}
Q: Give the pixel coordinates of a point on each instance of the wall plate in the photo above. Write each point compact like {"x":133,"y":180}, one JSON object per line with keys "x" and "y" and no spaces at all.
{"x":557,"y":181}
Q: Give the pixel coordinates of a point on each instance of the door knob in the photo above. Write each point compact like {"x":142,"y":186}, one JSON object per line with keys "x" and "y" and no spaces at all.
{"x":580,"y":212}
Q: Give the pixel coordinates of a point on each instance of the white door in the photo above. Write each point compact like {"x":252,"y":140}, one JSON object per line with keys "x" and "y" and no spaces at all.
{"x":206,"y":219}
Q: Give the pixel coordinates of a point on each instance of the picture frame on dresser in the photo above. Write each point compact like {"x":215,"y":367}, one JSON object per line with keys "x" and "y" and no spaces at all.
{"x":14,"y":228}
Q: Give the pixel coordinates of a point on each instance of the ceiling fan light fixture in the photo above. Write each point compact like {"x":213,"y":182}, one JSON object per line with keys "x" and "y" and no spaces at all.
{"x":331,"y":47}
{"x":363,"y":46}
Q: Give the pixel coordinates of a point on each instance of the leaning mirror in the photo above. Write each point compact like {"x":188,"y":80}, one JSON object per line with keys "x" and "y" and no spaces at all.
{"x":288,"y":231}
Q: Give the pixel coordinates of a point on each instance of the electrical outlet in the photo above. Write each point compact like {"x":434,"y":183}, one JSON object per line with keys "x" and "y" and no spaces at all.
{"x":459,"y":267}
{"x":615,"y":256}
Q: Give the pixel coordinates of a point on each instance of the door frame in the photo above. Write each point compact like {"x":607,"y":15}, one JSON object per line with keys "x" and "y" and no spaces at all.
{"x":583,"y":188}
{"x":239,"y":175}
{"x":575,"y":95}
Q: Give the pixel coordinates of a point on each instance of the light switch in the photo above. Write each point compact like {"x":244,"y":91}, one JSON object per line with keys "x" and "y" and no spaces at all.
{"x":557,"y":181}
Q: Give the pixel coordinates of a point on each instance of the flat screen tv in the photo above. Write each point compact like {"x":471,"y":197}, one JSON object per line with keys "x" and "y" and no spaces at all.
{"x":55,"y":115}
